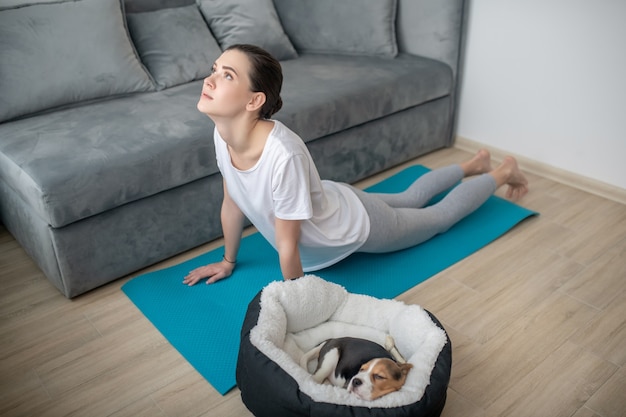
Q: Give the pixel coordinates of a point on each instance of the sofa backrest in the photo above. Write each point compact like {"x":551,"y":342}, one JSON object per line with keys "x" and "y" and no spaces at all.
{"x":430,"y":28}
{"x":433,"y":29}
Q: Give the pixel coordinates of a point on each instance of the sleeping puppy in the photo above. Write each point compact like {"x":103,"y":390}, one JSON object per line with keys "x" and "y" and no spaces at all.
{"x":365,"y":368}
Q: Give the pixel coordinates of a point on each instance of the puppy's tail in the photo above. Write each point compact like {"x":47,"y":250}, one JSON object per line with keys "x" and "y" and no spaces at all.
{"x":311,"y":354}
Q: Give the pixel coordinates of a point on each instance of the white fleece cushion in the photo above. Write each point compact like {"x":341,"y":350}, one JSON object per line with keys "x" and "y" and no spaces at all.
{"x":297,"y":315}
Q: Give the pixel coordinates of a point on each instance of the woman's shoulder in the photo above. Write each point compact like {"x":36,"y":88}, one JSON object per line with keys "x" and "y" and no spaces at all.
{"x":284,"y":146}
{"x":285,"y":136}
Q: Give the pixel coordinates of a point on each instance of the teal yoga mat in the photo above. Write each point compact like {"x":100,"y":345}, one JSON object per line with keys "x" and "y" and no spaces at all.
{"x":203,"y":322}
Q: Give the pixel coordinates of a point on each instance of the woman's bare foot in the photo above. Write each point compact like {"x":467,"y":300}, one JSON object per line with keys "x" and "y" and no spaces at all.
{"x":479,"y":164}
{"x":509,"y":173}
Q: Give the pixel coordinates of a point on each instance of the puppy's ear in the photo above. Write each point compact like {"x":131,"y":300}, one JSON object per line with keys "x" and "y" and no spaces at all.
{"x":405,"y":368}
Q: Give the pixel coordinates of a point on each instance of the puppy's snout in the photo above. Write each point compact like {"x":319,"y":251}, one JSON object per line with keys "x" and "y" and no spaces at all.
{"x":356,"y":382}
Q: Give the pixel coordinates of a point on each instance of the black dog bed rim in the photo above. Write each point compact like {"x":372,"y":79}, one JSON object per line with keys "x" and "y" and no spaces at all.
{"x":268,"y":391}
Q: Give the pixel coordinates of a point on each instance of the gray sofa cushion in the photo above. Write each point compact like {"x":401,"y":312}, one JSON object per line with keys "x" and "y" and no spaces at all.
{"x":110,"y":164}
{"x":343,"y":91}
{"x":59,"y":53}
{"x":113,"y":164}
{"x":248,"y":21}
{"x":352,"y":27}
{"x":140,"y":6}
{"x":175,"y":44}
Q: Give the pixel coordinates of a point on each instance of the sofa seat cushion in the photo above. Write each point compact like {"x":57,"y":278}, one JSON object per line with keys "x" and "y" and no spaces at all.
{"x":75,"y":163}
{"x":79,"y":162}
{"x":325,"y":94}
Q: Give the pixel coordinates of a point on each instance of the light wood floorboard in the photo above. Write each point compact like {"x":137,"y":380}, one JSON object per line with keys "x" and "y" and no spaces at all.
{"x":537,"y":321}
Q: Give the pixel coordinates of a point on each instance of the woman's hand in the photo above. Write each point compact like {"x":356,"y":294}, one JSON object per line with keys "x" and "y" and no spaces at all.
{"x":214,"y":272}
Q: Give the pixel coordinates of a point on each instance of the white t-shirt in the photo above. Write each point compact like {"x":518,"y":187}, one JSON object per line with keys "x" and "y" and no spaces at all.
{"x":285,"y":184}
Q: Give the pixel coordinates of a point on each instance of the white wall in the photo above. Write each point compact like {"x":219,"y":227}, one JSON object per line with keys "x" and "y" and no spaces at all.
{"x":546,"y":80}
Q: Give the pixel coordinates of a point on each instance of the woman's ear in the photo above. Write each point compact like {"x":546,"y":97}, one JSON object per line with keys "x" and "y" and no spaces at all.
{"x":256,"y":102}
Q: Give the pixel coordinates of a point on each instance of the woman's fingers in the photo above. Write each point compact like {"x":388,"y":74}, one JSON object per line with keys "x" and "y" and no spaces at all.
{"x":212,"y":272}
{"x":197,"y":274}
{"x":216,"y":278}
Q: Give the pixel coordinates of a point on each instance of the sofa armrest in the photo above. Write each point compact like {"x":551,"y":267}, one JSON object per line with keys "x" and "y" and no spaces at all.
{"x":432,"y":29}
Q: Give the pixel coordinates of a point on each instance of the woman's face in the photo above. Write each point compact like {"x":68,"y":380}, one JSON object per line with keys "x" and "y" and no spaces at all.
{"x":226,"y":92}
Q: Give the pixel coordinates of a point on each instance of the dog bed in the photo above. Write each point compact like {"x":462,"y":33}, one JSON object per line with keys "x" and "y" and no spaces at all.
{"x":288,"y":318}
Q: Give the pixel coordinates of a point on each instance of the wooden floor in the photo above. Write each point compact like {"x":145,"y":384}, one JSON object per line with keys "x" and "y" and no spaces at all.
{"x":537,"y":321}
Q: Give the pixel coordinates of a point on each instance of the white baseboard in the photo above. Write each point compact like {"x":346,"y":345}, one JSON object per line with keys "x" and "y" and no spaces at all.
{"x":571,"y":179}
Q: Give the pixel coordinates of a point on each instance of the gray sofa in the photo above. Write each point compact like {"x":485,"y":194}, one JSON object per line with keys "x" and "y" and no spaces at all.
{"x":107,"y":167}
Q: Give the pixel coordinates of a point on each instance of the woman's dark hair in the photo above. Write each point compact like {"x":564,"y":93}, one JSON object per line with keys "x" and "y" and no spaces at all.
{"x":266,"y":76}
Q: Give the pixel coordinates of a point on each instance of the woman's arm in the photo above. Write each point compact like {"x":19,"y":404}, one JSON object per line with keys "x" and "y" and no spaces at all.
{"x":287,"y":237}
{"x":232,"y":225}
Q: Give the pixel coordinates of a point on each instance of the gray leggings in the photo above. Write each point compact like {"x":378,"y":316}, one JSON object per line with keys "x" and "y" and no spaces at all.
{"x":399,"y":221}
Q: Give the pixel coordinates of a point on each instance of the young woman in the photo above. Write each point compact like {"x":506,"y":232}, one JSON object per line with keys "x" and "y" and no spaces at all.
{"x":270,"y":178}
